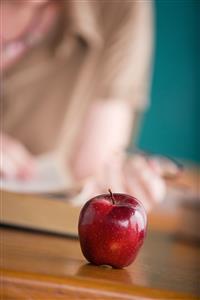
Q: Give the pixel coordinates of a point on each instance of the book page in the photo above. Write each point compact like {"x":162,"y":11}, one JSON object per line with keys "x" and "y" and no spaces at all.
{"x":49,"y":178}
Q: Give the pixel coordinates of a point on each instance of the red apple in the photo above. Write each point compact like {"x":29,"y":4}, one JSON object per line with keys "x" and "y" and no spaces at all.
{"x":112,"y":228}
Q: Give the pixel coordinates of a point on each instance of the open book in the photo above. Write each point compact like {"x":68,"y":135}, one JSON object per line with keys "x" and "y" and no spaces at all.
{"x":34,"y":204}
{"x":50,"y":178}
{"x":51,"y":181}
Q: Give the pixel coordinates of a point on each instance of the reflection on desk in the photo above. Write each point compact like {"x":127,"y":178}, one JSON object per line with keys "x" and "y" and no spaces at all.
{"x":43,"y":266}
{"x":47,"y":266}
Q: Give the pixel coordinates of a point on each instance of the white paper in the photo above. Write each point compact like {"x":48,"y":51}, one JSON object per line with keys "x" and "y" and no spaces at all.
{"x":50,"y":178}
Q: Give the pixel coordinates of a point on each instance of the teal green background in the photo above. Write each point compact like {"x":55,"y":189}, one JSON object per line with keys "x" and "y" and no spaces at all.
{"x":171,"y":125}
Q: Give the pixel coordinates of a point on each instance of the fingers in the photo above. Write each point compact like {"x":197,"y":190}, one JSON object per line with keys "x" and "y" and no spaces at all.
{"x":15,"y":161}
{"x":112,"y":176}
{"x":8,"y":169}
{"x":134,"y":188}
{"x":166,"y":167}
{"x":135,"y":177}
{"x":144,"y":182}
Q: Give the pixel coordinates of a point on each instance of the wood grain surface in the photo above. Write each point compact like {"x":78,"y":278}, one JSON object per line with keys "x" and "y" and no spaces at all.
{"x":41,"y":266}
{"x":37,"y":265}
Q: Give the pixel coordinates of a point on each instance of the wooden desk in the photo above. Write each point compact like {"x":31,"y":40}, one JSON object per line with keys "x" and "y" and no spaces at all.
{"x":43,"y":266}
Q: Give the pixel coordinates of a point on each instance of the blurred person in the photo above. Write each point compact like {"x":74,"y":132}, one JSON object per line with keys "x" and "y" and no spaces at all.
{"x":75,"y":77}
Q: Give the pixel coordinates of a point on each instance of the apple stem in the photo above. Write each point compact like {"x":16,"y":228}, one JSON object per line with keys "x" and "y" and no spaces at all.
{"x":112,"y":196}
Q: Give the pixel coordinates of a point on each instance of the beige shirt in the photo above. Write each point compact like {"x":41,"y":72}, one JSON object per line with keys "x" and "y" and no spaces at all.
{"x":99,"y":50}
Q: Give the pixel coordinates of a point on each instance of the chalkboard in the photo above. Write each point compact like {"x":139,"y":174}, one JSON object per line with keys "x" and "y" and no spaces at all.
{"x":171,"y":125}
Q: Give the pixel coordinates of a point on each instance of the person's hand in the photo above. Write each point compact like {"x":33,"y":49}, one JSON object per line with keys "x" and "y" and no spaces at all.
{"x":16,"y":161}
{"x":131,"y":175}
